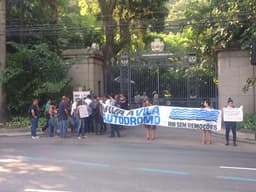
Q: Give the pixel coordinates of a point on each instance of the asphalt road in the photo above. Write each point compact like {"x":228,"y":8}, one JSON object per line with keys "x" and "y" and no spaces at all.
{"x":175,"y":161}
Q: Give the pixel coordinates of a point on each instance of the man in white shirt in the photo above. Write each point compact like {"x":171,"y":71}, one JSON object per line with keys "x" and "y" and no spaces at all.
{"x":83,"y":113}
{"x":88,"y":101}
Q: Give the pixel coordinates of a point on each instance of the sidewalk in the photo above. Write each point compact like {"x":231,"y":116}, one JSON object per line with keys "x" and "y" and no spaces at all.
{"x":244,"y":137}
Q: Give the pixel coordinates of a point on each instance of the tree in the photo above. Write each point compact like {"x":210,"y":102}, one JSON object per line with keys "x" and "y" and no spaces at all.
{"x":33,"y":71}
{"x":124,"y":21}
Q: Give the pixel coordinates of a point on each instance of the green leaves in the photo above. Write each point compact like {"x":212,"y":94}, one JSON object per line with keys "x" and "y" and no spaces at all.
{"x":33,"y":72}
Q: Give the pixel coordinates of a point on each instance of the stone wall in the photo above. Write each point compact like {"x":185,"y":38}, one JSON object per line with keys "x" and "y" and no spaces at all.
{"x":233,"y":70}
{"x":87,"y":70}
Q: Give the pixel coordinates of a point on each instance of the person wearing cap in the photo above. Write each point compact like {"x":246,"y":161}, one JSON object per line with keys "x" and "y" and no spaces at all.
{"x":155,"y":98}
{"x":230,"y":125}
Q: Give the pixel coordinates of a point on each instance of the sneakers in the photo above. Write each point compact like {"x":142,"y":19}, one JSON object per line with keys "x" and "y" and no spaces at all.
{"x":35,"y":137}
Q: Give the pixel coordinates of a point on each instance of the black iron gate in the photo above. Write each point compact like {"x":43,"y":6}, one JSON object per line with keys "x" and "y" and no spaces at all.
{"x":177,"y":84}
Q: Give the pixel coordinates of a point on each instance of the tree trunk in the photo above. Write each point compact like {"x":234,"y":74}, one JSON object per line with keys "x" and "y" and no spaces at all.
{"x":3,"y":110}
{"x":110,"y":24}
{"x":22,"y":19}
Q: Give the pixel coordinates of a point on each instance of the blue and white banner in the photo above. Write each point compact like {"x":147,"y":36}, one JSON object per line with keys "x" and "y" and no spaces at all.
{"x":175,"y":117}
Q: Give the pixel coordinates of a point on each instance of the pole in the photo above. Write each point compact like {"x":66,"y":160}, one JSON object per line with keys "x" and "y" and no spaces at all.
{"x":254,"y":99}
{"x":129,"y":83}
{"x":158,"y":80}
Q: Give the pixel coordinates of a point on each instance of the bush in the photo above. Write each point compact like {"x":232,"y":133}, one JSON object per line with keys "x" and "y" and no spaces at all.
{"x":33,"y":71}
{"x":249,"y":122}
{"x":24,"y":122}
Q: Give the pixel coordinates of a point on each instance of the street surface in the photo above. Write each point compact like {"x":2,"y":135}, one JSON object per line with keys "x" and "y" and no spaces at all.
{"x":175,"y":161}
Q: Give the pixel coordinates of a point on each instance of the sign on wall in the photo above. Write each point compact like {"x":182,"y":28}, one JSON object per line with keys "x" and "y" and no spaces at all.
{"x":175,"y":117}
{"x":80,"y":94}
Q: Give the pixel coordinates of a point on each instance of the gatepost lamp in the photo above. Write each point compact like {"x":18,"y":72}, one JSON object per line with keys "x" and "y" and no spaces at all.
{"x":126,"y":75}
{"x":192,"y":58}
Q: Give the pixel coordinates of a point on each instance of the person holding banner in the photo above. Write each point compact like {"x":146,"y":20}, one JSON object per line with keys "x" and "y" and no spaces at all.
{"x":230,"y":124}
{"x":150,"y":129}
{"x":114,"y":128}
{"x":207,"y":106}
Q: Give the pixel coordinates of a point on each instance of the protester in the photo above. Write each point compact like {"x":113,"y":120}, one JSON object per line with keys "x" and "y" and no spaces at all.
{"x":230,"y":125}
{"x":144,"y":96}
{"x":53,"y":115}
{"x":96,"y":116}
{"x":70,"y":120}
{"x":63,"y":117}
{"x":34,"y":116}
{"x":114,"y":128}
{"x":137,"y":100}
{"x":102,"y":101}
{"x":88,"y":101}
{"x":82,"y":109}
{"x":207,"y":106}
{"x":123,"y":102}
{"x":155,"y":98}
{"x":46,"y":114}
{"x":150,"y":129}
{"x":75,"y":116}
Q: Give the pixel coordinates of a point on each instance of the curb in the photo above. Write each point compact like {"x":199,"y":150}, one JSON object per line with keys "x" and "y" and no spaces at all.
{"x":240,"y":140}
{"x":28,"y":133}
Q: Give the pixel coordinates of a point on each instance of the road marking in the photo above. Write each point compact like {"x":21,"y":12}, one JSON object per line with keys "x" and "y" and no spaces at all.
{"x":165,"y":171}
{"x":26,"y":158}
{"x":238,"y":168}
{"x":41,"y":190}
{"x":90,"y":164}
{"x":238,"y":178}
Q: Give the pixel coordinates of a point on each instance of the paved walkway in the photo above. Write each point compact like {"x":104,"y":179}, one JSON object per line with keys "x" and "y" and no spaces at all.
{"x":134,"y":133}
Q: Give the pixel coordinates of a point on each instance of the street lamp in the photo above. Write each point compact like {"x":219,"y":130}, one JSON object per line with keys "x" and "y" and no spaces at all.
{"x":192,"y":59}
{"x":157,"y":46}
{"x":125,"y":83}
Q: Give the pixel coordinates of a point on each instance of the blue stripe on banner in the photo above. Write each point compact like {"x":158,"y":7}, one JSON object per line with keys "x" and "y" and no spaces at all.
{"x":194,"y":114}
{"x":164,"y":171}
{"x":238,"y":178}
{"x":89,"y":164}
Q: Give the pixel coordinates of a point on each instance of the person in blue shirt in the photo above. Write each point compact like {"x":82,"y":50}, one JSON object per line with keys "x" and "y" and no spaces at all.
{"x":46,"y":108}
{"x":63,"y":117}
{"x":34,"y":116}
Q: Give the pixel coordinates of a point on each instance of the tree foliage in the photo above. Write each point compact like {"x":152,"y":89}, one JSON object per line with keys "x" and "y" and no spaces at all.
{"x":33,"y":72}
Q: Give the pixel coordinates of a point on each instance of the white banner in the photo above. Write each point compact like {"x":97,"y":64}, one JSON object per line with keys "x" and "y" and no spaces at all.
{"x":233,"y":114}
{"x":175,"y":117}
{"x":80,"y":94}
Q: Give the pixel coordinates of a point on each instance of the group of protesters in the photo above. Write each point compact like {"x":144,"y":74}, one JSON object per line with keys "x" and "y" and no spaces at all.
{"x":83,"y":116}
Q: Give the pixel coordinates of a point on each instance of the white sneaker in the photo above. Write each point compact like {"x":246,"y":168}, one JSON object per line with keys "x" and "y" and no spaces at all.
{"x":79,"y":138}
{"x":35,"y":137}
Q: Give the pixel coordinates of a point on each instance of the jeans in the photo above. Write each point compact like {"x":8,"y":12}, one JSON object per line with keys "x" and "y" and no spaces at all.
{"x":63,"y":128}
{"x":76,"y":121}
{"x":232,"y":126}
{"x":52,"y":126}
{"x":83,"y":126}
{"x":115,"y":129}
{"x":90,"y":127}
{"x":34,"y":124}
